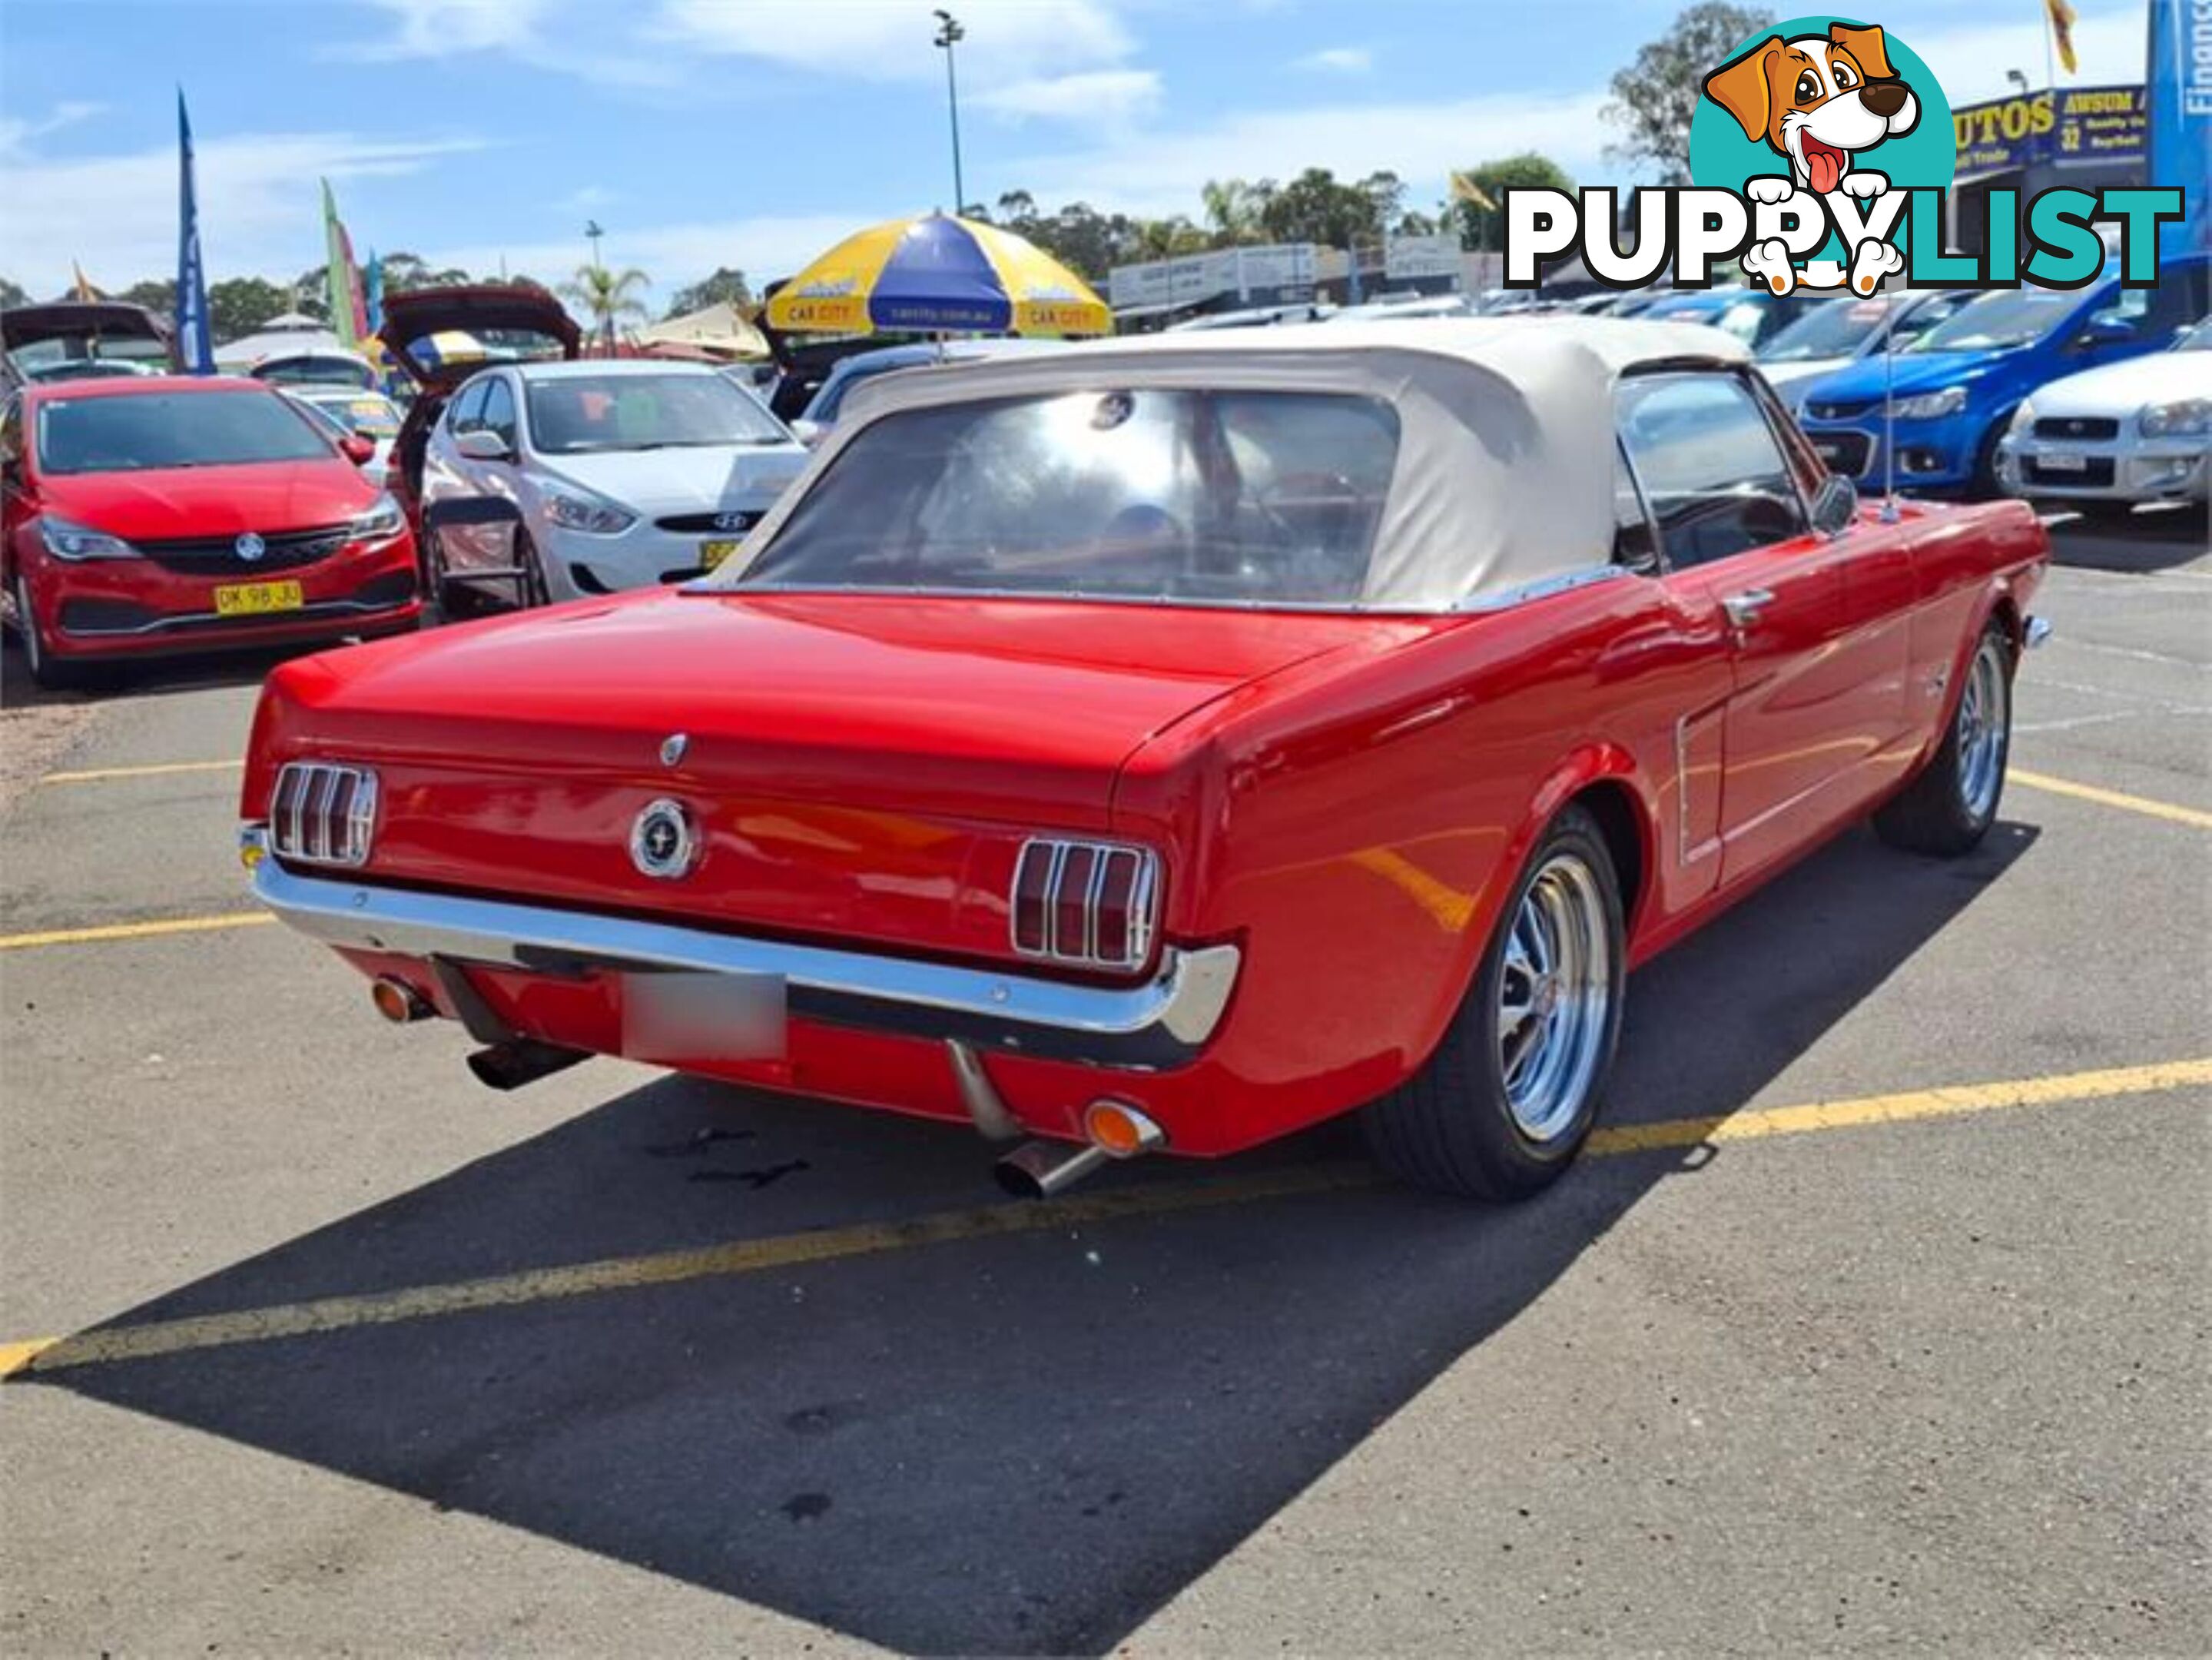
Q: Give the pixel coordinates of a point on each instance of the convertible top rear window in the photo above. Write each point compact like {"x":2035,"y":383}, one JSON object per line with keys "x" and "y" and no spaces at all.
{"x":1174,"y":495}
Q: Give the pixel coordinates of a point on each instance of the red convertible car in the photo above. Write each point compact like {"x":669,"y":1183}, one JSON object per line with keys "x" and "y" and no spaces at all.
{"x":1171,"y":743}
{"x":152,"y":514}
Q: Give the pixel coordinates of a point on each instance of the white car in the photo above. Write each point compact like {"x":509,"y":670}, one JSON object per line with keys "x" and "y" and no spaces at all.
{"x":626,"y":473}
{"x":2108,"y":439}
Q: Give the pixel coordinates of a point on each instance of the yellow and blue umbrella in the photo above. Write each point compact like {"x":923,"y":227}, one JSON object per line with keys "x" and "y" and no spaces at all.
{"x":937,"y":274}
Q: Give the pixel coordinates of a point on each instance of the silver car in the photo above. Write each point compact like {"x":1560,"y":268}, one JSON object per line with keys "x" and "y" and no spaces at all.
{"x":2107,"y":439}
{"x":625,"y":474}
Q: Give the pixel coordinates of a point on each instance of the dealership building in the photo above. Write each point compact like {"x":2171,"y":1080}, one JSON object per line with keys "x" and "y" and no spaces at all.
{"x":2078,"y":138}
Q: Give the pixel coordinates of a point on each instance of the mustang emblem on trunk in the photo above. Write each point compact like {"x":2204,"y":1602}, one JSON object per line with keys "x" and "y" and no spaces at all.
{"x":661,"y":843}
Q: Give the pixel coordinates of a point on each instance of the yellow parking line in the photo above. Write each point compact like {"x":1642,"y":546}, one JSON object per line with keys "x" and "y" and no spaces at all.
{"x":101,"y":774}
{"x":2038,"y":780}
{"x":331,"y":1314}
{"x":234,"y":919}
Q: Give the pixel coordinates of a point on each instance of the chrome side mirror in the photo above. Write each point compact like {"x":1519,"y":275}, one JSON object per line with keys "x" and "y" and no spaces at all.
{"x":1835,"y":506}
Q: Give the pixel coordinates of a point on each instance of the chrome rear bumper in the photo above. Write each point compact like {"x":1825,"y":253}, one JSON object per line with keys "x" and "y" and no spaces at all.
{"x":1163,"y":1022}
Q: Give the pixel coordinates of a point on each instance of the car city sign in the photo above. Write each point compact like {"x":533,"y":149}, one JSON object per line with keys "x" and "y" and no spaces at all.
{"x":1822,"y":150}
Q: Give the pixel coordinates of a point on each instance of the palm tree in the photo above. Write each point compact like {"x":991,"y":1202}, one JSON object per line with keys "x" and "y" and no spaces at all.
{"x":607,"y":296}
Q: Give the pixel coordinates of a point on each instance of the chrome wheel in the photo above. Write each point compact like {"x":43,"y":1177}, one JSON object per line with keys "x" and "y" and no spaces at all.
{"x":1983,"y":730}
{"x":1554,"y":995}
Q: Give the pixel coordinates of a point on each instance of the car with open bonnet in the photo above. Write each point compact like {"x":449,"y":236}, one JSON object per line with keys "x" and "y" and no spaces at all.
{"x":1168,"y":744}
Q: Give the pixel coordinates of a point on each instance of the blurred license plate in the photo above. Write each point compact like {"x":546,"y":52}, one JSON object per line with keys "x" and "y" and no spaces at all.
{"x":257,"y":599}
{"x":711,"y":554}
{"x":2062,"y":461}
{"x":676,"y":1017}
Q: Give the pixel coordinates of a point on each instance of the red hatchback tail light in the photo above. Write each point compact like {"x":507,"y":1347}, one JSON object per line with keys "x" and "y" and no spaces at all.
{"x":1093,"y":904}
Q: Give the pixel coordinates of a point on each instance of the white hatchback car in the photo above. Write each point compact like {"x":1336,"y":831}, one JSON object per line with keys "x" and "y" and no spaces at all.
{"x":626,"y":473}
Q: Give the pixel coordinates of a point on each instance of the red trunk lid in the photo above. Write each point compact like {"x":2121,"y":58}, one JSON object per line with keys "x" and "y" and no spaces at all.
{"x":860,"y":766}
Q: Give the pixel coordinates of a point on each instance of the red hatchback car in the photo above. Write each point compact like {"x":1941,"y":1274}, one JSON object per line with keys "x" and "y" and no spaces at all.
{"x":161,"y":514}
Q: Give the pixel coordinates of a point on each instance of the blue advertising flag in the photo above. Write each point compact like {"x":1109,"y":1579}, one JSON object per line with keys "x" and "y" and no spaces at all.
{"x":2180,"y":91}
{"x":194,"y":340}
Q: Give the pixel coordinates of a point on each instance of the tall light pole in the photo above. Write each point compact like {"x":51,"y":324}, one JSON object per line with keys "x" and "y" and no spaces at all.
{"x":949,"y":33}
{"x":593,"y":232}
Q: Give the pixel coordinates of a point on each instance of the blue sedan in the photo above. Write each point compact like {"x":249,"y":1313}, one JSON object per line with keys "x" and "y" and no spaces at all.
{"x":1952,"y":391}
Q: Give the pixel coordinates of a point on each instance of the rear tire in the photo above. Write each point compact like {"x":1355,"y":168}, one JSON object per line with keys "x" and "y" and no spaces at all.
{"x":1948,"y":808}
{"x":1505,"y":1102}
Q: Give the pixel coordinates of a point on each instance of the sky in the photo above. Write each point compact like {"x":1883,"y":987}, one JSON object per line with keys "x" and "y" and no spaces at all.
{"x":755,"y":133}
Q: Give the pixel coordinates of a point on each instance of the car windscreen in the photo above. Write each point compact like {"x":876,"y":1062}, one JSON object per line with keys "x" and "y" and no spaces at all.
{"x":1230,"y":497}
{"x":572,"y":413}
{"x":2004,"y":317}
{"x":1833,"y":328}
{"x":136,"y":432}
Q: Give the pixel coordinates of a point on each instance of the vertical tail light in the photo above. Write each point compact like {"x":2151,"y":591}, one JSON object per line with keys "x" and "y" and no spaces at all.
{"x":322,"y":814}
{"x":1091,"y":904}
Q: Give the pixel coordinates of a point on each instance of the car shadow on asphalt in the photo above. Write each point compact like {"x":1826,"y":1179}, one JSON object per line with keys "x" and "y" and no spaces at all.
{"x":2152,"y":540}
{"x":1022,"y":1443}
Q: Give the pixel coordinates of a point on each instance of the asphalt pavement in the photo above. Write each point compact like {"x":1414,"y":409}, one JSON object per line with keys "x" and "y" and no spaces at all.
{"x":1879,"y":1317}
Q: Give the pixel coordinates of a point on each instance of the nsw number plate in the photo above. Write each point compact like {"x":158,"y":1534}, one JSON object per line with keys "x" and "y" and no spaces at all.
{"x":712,"y":554}
{"x":257,"y":599}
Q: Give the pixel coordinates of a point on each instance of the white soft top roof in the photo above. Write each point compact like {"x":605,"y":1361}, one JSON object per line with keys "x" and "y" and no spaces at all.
{"x":1506,"y":453}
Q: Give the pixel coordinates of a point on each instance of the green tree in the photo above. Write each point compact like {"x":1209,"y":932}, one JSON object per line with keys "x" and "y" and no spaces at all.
{"x":1233,"y":210}
{"x":1479,"y":227}
{"x":1655,"y":95}
{"x":238,"y":305}
{"x":12,"y":293}
{"x":1317,"y":207}
{"x":157,"y":293}
{"x":727,"y":285}
{"x":609,"y":296}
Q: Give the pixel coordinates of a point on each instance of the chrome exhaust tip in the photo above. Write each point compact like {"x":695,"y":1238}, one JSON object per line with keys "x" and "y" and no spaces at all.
{"x":1117,"y":1129}
{"x":1038,"y":1170}
{"x":519,"y":1061}
{"x":397,"y":1001}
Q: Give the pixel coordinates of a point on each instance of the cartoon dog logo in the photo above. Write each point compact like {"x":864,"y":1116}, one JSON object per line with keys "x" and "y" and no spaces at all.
{"x":1819,"y":102}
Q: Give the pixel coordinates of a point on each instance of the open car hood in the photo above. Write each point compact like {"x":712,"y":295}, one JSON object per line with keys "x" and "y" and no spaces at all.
{"x":511,"y":320}
{"x":81,"y":320}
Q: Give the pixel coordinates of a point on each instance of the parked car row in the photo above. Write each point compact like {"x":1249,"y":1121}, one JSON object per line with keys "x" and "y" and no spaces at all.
{"x":140,"y":521}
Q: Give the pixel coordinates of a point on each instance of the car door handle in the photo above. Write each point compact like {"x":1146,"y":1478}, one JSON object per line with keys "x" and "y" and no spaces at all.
{"x":1743,"y":609}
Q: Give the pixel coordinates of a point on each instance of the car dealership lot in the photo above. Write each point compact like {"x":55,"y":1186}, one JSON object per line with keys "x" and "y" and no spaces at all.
{"x":1925,"y":1369}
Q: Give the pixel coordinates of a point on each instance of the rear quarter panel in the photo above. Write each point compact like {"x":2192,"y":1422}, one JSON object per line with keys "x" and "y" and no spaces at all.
{"x":1357,"y":823}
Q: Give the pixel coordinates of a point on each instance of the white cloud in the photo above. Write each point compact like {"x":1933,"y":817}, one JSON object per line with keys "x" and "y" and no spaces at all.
{"x":445,"y":28}
{"x":563,"y":37}
{"x":1158,"y":171}
{"x":764,"y":247}
{"x":1106,"y":96}
{"x":1971,"y":60}
{"x":16,"y":133}
{"x":1007,"y":40}
{"x":1338,"y":60}
{"x":260,"y":212}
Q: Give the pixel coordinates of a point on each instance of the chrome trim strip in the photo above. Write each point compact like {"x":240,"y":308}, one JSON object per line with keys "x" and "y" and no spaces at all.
{"x":1162,"y":1022}
{"x":315,"y":612}
{"x":302,"y":822}
{"x":1544,"y":588}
